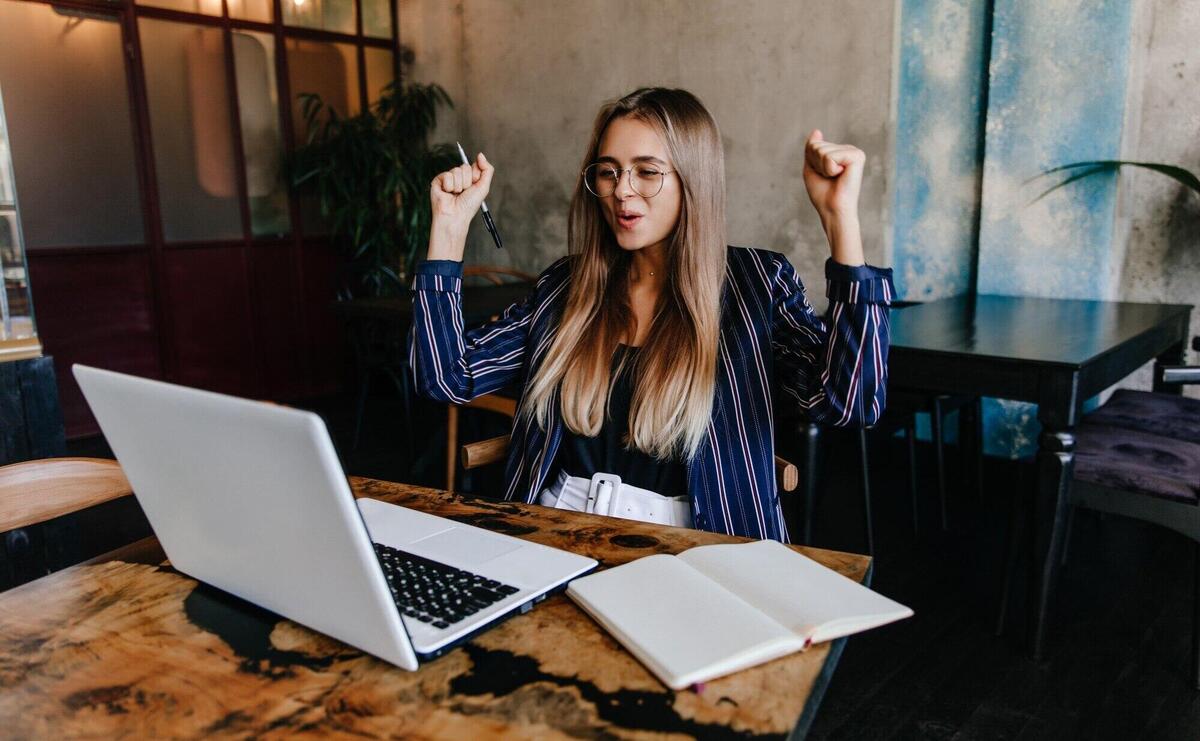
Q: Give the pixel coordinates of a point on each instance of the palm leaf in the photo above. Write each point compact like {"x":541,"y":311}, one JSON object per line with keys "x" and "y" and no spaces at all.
{"x":1093,"y":167}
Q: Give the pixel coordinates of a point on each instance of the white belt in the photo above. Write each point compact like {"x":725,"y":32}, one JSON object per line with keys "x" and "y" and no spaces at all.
{"x":605,"y":494}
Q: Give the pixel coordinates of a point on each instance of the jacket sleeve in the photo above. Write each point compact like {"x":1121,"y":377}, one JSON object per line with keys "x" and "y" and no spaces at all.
{"x":836,"y":367}
{"x":454,"y":366}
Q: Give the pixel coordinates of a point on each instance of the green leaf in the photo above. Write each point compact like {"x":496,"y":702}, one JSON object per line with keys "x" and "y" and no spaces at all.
{"x":370,"y":173}
{"x":1093,"y":167}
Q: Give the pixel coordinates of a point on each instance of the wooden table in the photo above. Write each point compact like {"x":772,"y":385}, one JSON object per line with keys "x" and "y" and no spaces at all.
{"x":1055,"y":353}
{"x":137,"y":649}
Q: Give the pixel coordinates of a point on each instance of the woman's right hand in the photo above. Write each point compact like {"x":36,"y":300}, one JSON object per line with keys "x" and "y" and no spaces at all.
{"x":455,"y":196}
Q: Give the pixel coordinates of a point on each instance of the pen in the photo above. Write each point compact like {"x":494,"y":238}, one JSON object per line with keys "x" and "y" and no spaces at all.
{"x":487,"y":215}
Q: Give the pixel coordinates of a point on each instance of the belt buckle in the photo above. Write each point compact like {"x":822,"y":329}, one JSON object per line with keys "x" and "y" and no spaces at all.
{"x":594,"y":503}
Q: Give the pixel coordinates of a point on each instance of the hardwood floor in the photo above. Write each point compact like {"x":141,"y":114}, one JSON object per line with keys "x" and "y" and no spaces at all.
{"x":1118,"y":659}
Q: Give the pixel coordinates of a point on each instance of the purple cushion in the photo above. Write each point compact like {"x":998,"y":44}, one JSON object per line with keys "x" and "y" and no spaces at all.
{"x":1138,"y":462}
{"x":1160,"y":414}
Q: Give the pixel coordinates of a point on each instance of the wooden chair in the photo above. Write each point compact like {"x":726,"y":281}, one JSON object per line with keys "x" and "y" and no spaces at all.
{"x":494,"y":450}
{"x":37,"y":491}
{"x":490,"y":402}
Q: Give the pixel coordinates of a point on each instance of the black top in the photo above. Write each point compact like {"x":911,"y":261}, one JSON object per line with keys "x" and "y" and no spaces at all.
{"x":583,"y":456}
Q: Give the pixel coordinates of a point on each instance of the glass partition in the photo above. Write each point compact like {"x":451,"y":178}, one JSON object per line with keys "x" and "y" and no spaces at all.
{"x":262,"y":137}
{"x":69,"y":127}
{"x":18,"y":337}
{"x":380,"y":72}
{"x":190,"y":123}
{"x":205,"y":7}
{"x":327,"y":15}
{"x":377,"y":20}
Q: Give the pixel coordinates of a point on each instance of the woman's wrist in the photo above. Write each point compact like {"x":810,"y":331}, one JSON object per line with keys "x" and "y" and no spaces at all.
{"x":845,"y":238}
{"x":447,"y":241}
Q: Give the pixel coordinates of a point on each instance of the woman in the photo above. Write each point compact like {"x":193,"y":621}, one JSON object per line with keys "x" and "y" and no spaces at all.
{"x":648,"y":356}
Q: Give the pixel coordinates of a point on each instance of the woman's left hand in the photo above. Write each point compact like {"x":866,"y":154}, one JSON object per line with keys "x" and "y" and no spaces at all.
{"x":833,"y":176}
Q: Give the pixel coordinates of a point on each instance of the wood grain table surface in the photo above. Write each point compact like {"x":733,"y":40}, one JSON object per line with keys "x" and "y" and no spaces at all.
{"x":121,"y":649}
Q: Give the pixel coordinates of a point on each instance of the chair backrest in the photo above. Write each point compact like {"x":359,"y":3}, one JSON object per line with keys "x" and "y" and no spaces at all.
{"x":490,"y":402}
{"x":36,"y":491}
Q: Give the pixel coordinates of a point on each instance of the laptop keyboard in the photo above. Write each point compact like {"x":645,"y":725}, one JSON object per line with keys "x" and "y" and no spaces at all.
{"x":435,"y":593}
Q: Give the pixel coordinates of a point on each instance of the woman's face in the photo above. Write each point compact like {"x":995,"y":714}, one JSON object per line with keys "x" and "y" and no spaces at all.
{"x":637,"y":221}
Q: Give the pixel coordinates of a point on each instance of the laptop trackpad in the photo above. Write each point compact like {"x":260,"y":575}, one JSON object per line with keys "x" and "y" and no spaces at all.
{"x":459,"y":546}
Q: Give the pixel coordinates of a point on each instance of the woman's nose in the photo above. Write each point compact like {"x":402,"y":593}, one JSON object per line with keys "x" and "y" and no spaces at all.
{"x":624,"y":187}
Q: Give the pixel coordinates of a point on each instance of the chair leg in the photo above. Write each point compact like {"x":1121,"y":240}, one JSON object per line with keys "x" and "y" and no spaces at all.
{"x":1196,"y":617}
{"x":1012,"y":550}
{"x":866,"y":488}
{"x":451,"y":445}
{"x":977,"y":444}
{"x":939,"y":447}
{"x":812,"y":439}
{"x":1066,"y":548}
{"x":910,"y":433}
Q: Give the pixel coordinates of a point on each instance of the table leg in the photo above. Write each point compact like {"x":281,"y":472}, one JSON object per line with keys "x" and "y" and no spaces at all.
{"x":1055,"y":466}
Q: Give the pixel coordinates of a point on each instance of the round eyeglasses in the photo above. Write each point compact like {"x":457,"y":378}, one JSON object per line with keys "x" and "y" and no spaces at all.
{"x":601,"y":179}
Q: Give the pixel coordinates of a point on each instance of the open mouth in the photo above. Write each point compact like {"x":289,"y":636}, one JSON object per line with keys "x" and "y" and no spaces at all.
{"x":628,"y":221}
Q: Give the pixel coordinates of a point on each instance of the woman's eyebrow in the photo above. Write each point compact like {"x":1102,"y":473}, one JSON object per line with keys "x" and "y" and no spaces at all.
{"x":643,"y":158}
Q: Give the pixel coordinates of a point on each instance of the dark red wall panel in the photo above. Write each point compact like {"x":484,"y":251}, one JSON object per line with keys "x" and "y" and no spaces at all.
{"x":209,"y":313}
{"x":279,"y":327}
{"x":329,"y":356}
{"x":94,"y":307}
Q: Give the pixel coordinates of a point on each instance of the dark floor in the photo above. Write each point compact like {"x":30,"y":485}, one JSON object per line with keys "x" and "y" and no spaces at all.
{"x":1117,"y":666}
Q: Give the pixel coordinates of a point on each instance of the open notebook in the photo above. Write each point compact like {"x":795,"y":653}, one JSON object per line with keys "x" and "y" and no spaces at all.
{"x":717,"y":609}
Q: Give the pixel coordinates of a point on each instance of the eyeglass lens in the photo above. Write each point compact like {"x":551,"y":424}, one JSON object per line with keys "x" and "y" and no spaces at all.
{"x":645,"y":179}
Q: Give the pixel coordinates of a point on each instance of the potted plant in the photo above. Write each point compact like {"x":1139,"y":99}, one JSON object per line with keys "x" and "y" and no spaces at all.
{"x":371,"y":175}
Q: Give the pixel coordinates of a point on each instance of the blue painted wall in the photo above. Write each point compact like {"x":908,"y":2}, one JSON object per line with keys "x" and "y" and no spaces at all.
{"x":941,"y":101}
{"x":1054,"y":93}
{"x":939,"y":139}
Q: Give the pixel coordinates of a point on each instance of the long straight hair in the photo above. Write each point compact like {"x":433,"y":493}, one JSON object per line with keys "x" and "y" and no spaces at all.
{"x":675,"y":372}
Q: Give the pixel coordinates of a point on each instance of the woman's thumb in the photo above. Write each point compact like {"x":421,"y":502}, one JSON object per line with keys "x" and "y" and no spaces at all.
{"x":486,"y":170}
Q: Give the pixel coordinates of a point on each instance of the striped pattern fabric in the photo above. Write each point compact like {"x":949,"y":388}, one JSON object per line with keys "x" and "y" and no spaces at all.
{"x":835,"y":368}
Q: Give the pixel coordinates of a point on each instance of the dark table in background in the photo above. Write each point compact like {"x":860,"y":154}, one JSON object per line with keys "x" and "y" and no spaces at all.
{"x":1055,"y":353}
{"x":377,"y":330}
{"x":479,"y":304}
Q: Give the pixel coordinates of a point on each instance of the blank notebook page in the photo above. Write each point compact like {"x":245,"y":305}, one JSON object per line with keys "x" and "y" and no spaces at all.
{"x":681,"y":624}
{"x":795,"y":590}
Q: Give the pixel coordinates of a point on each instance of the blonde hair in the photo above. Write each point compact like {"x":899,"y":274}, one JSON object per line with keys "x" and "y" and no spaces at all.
{"x":675,"y":371}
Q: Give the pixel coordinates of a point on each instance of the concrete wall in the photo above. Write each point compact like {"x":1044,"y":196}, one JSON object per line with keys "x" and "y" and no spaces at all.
{"x":528,"y":78}
{"x":1065,"y":81}
{"x":1158,"y":247}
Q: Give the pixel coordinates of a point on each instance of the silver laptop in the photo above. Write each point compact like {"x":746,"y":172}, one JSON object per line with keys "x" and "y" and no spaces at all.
{"x":250,"y":497}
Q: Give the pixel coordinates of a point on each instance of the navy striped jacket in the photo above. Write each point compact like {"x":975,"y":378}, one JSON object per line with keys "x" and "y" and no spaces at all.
{"x":834,"y":368}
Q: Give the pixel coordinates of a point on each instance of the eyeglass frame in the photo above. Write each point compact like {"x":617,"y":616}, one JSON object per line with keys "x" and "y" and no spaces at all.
{"x":622,"y":172}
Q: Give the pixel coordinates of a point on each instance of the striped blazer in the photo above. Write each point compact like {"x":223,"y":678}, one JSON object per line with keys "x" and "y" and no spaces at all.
{"x":834,"y":368}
